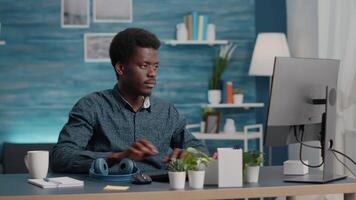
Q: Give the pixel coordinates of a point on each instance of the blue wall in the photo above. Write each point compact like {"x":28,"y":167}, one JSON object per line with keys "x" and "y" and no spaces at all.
{"x":43,"y":73}
{"x":270,"y":16}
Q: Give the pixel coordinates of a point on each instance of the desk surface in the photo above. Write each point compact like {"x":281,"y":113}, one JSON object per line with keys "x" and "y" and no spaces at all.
{"x":15,"y":186}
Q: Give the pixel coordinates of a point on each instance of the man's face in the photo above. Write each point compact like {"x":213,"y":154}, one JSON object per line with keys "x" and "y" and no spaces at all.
{"x":139,"y":74}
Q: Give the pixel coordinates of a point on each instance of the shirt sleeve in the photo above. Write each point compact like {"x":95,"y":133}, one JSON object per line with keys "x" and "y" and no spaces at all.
{"x":182,"y":138}
{"x":70,"y":154}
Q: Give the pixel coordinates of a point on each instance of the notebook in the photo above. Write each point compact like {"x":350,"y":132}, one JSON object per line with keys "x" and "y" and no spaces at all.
{"x":57,"y":182}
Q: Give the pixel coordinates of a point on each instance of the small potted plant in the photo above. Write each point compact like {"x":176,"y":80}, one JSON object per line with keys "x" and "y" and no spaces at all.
{"x":196,"y":162}
{"x":238,"y":96}
{"x":252,"y":161}
{"x":177,"y":174}
{"x":220,"y":63}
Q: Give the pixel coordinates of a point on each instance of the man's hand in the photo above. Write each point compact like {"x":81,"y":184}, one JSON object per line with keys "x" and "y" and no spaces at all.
{"x":138,"y":151}
{"x":176,"y":154}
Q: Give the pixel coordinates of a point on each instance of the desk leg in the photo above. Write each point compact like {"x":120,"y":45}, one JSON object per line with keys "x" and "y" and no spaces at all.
{"x":350,"y":196}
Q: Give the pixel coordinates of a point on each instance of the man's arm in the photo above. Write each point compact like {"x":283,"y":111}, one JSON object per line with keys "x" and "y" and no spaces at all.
{"x":182,"y":138}
{"x":70,"y":154}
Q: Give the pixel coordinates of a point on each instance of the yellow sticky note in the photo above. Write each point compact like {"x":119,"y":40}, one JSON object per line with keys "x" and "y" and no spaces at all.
{"x":115,"y":187}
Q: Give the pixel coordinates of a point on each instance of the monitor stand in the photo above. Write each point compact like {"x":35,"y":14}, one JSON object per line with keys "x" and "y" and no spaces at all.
{"x":313,"y":178}
{"x":328,"y":128}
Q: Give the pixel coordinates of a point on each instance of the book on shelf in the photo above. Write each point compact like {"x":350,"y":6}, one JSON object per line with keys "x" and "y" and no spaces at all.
{"x":197,"y":26}
{"x":200,"y":27}
{"x":188,"y":23}
{"x":205,"y":26}
{"x":57,"y":182}
{"x":195,"y":20}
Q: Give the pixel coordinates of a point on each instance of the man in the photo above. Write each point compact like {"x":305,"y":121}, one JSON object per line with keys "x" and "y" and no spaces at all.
{"x":124,"y":122}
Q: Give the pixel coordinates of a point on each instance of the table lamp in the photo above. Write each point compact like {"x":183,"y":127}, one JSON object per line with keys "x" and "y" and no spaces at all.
{"x":267,"y":47}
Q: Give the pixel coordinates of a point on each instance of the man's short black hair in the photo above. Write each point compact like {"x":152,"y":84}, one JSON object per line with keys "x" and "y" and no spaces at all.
{"x":123,"y":46}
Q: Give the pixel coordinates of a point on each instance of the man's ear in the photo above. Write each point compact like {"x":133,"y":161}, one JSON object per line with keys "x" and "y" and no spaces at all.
{"x":119,"y":68}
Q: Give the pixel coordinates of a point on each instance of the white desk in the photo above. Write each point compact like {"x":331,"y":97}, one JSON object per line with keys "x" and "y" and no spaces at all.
{"x":14,"y":186}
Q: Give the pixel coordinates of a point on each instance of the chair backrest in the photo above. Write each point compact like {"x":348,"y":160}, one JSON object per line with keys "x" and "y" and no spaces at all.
{"x":13,"y":156}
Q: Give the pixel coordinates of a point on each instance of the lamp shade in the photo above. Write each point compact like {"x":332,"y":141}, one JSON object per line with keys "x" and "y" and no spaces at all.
{"x":267,"y":47}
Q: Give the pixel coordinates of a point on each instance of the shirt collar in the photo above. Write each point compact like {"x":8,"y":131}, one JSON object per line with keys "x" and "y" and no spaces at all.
{"x":123,"y":101}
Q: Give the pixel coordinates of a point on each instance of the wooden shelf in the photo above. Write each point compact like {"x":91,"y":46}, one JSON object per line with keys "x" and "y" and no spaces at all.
{"x":227,"y":136}
{"x":243,"y":105}
{"x":195,"y":42}
{"x":2,"y":42}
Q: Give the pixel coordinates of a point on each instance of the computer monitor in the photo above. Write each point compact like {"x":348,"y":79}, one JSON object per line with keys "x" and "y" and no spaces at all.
{"x":302,"y":108}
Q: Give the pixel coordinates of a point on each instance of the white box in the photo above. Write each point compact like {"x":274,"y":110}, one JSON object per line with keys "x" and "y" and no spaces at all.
{"x":226,"y":171}
{"x":295,"y":167}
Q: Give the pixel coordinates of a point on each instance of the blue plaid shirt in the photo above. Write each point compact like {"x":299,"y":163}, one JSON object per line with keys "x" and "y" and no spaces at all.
{"x":103,"y":122}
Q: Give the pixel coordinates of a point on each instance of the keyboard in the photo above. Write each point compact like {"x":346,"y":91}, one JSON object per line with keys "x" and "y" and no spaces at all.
{"x":158,"y":175}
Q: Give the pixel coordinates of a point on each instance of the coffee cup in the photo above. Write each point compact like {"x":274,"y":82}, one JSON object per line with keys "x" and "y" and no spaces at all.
{"x":37,"y":163}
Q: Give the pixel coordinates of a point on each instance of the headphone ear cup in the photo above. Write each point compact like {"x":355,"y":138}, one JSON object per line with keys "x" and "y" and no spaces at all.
{"x":101,"y":167}
{"x":126,"y":166}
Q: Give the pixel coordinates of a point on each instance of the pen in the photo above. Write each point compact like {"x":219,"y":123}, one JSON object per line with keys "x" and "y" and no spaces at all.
{"x":52,"y":181}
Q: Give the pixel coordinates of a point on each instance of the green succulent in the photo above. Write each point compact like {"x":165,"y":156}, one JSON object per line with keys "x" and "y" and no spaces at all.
{"x":176,"y":166}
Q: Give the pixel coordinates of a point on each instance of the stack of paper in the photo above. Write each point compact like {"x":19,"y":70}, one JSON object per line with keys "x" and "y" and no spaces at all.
{"x":56,"y":182}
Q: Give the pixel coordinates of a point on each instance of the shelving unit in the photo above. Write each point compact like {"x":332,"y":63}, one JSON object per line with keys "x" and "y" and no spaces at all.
{"x":246,"y":135}
{"x":226,"y":136}
{"x":243,"y":105}
{"x":2,"y":42}
{"x":195,"y":42}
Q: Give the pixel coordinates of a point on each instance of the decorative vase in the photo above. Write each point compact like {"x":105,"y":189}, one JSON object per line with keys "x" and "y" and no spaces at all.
{"x":182,"y":33}
{"x":177,"y":180}
{"x":238,"y":98}
{"x":229,"y":126}
{"x":196,"y":179}
{"x":202,"y":127}
{"x":252,"y":174}
{"x":214,"y":96}
{"x":210,"y":36}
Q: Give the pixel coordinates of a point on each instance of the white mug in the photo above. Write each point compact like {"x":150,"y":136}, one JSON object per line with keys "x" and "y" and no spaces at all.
{"x":37,"y":163}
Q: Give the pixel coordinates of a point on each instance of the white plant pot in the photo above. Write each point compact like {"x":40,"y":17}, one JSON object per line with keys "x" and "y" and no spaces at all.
{"x":214,"y":96}
{"x":252,"y":174}
{"x":196,"y":179}
{"x":238,"y":98}
{"x":177,"y":180}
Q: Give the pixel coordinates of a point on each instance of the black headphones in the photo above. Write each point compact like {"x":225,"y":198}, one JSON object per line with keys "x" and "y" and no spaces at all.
{"x":122,"y":172}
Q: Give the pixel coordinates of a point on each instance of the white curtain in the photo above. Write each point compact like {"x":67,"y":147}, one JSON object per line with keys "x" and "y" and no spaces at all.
{"x":327,"y":29}
{"x":337,"y":39}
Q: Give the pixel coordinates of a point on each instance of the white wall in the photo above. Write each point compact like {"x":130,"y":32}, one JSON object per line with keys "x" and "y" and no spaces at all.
{"x":302,"y":27}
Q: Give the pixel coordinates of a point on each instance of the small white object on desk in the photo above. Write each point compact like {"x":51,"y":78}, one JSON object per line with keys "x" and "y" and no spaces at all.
{"x":295,"y":167}
{"x":57,"y":182}
{"x":116,"y":187}
{"x":226,"y":171}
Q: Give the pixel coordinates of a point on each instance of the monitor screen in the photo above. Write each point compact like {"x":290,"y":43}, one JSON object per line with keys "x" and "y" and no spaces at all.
{"x":295,"y":84}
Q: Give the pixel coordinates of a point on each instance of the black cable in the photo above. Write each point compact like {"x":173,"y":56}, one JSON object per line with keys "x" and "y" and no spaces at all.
{"x":301,"y":146}
{"x":343,"y":164}
{"x":346,"y":156}
{"x":307,"y":145}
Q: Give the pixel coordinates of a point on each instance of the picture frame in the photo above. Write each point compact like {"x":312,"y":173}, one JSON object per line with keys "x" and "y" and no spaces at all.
{"x":212,"y":123}
{"x":75,"y":13}
{"x":96,"y":47}
{"x":112,"y":11}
